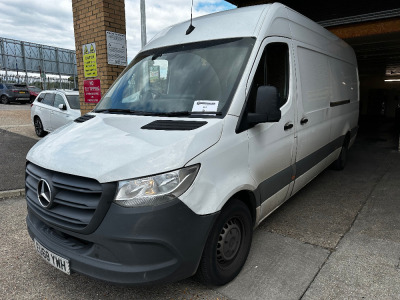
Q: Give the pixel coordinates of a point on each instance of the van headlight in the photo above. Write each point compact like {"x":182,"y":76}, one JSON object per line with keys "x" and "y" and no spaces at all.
{"x":155,"y":190}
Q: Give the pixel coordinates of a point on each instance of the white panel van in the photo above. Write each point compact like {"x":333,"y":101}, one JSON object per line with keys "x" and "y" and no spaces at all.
{"x":204,"y":134}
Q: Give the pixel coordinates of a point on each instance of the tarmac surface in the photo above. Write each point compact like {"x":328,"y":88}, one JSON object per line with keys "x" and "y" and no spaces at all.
{"x":338,"y":238}
{"x":17,"y":136}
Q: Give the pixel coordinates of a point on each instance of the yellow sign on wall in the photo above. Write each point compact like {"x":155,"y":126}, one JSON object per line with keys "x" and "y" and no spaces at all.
{"x":89,"y":60}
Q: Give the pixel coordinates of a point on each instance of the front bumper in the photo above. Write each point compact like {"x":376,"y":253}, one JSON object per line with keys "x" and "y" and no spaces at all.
{"x":132,"y":245}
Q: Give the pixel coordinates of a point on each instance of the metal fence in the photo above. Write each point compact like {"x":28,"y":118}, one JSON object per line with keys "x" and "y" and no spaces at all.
{"x":47,"y":84}
{"x":29,"y":58}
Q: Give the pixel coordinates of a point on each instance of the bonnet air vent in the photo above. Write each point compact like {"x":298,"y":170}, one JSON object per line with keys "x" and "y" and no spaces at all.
{"x":84,"y":118}
{"x":174,"y":125}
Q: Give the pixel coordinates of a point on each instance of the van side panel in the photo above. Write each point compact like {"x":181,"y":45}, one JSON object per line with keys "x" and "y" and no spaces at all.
{"x":313,"y":125}
{"x":327,"y":109}
{"x":344,"y":104}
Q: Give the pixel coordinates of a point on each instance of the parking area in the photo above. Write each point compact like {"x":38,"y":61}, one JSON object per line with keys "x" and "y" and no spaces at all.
{"x":16,"y":118}
{"x":338,"y":238}
{"x":17,"y":136}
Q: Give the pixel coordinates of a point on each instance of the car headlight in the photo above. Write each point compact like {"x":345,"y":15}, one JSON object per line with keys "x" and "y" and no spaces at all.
{"x":155,"y":190}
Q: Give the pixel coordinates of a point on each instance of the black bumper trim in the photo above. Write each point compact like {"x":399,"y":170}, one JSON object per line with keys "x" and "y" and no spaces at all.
{"x":133,"y":245}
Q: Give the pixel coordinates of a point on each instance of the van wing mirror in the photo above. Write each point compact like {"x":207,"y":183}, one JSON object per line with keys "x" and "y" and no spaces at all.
{"x":267,"y":106}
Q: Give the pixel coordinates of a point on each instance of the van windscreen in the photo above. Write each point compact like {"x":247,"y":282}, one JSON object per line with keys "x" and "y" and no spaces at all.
{"x":189,"y":78}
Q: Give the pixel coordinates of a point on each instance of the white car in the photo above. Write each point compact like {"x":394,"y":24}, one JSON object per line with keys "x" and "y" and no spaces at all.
{"x":53,"y":109}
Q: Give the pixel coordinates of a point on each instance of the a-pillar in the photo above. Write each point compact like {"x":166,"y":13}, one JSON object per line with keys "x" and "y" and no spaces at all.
{"x":92,"y":18}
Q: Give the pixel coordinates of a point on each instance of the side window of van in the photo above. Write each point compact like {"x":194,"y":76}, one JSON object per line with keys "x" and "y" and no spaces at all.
{"x":48,"y":99}
{"x":273,"y":70}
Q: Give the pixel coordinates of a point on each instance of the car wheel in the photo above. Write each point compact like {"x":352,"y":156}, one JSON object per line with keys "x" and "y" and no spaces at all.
{"x":4,"y":99}
{"x":228,"y":245}
{"x":39,"y":127}
{"x":340,"y":163}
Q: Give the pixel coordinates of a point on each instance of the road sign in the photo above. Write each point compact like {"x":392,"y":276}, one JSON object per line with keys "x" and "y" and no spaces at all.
{"x":116,"y":48}
{"x":89,"y":60}
{"x":92,"y":90}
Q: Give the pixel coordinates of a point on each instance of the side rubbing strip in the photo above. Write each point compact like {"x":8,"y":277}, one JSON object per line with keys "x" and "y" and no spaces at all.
{"x":311,"y":160}
{"x":274,"y":184}
{"x":337,"y":103}
{"x":353,"y":132}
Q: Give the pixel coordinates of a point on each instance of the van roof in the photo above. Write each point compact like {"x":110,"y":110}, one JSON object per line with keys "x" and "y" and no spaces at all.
{"x":255,"y":21}
{"x":241,"y":22}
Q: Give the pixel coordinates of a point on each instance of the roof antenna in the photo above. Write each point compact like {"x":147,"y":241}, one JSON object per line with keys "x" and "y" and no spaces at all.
{"x":191,"y":27}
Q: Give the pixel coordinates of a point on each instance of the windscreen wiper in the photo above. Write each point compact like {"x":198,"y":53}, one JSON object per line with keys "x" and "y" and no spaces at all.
{"x":121,"y":110}
{"x":112,"y":110}
{"x":160,"y":114}
{"x":184,"y":113}
{"x":217,"y":113}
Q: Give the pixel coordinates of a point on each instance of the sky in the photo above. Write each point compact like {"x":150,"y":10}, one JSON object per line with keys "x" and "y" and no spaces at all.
{"x":50,"y":22}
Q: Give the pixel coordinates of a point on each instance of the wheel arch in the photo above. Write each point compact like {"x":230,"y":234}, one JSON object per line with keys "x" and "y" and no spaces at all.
{"x":249,"y":199}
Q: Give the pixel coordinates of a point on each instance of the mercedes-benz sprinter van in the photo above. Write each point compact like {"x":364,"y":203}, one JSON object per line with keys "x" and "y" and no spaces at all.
{"x":203,"y":135}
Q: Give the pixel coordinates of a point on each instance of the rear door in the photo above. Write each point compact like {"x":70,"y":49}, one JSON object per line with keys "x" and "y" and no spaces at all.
{"x":59,"y":117}
{"x":45,"y":111}
{"x":272,"y":145}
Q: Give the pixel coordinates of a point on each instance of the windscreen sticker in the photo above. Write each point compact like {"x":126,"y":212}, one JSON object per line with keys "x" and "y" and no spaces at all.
{"x":205,"y":106}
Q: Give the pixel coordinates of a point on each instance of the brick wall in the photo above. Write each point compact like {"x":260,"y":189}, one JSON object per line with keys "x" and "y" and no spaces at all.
{"x":92,"y":18}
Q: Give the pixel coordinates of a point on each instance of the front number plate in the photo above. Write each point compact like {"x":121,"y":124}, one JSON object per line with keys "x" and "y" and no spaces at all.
{"x":56,"y":261}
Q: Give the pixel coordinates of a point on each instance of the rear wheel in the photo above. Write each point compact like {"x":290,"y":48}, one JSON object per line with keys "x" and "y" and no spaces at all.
{"x":39,"y":127}
{"x":340,"y":163}
{"x":4,"y":99}
{"x":228,"y":245}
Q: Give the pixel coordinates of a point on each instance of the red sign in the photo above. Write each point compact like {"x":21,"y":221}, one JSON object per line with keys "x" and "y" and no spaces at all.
{"x":92,"y":90}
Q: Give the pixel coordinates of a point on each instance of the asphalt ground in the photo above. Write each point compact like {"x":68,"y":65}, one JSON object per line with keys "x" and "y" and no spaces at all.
{"x":17,"y":136}
{"x":338,"y":238}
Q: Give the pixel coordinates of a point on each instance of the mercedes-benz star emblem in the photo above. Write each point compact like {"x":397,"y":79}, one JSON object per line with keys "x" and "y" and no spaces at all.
{"x":44,"y":194}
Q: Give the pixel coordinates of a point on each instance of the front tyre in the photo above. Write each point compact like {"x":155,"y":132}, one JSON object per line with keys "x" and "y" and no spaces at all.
{"x":39,"y":127}
{"x":228,"y":245}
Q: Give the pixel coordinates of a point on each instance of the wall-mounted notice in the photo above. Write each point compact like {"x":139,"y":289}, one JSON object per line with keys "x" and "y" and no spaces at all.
{"x":92,"y":91}
{"x":116,"y":48}
{"x":89,"y":60}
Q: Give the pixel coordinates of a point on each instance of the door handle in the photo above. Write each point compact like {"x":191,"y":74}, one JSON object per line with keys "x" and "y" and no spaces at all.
{"x":303,"y":121}
{"x":288,"y":126}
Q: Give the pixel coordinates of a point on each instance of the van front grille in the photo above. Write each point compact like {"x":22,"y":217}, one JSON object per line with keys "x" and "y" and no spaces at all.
{"x":77,"y":203}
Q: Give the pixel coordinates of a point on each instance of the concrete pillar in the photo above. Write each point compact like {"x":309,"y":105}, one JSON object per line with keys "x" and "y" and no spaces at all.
{"x":92,"y":18}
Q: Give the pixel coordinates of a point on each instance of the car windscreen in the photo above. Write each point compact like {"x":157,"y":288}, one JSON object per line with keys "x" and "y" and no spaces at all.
{"x":188,"y":78}
{"x":73,"y":101}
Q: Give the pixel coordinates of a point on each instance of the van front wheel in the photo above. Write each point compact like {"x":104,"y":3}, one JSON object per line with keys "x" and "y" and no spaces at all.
{"x":228,"y":245}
